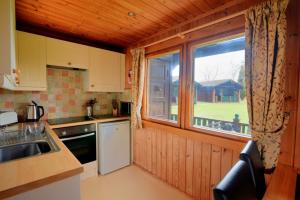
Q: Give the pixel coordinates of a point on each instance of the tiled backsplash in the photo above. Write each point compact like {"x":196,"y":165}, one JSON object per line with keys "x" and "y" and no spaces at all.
{"x":65,"y":96}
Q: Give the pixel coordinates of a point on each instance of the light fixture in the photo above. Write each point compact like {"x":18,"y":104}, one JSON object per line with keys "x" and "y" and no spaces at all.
{"x":131,"y":14}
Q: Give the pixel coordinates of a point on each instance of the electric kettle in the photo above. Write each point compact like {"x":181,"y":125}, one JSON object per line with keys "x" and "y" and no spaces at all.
{"x":34,"y":112}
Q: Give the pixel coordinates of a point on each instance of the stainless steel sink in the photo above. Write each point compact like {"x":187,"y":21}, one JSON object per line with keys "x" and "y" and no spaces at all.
{"x":19,"y":151}
{"x":32,"y":146}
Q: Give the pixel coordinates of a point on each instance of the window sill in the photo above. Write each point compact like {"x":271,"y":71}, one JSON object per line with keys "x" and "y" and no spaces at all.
{"x":163,"y":122}
{"x":221,"y":134}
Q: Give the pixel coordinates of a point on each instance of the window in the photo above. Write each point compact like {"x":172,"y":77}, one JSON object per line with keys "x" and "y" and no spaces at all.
{"x":219,"y":97}
{"x":210,"y":87}
{"x":163,"y":87}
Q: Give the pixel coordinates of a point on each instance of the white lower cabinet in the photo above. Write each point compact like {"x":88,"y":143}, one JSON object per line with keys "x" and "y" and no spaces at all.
{"x":114,"y":146}
{"x":67,"y":189}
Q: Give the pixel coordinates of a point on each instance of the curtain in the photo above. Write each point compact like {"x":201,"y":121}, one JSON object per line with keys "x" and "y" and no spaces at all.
{"x":265,"y":76}
{"x":138,"y":69}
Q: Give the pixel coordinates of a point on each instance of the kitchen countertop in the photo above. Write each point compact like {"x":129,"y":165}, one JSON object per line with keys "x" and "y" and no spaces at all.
{"x":28,"y":173}
{"x":96,"y":119}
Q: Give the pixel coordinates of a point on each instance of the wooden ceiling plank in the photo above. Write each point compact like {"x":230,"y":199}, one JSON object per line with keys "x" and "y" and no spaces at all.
{"x":58,"y":28}
{"x":105,"y":26}
{"x":140,"y":12}
{"x":212,"y":3}
{"x":201,"y":5}
{"x":144,"y":7}
{"x":117,"y":10}
{"x":165,"y":10}
{"x":42,"y":13}
{"x":137,"y":20}
{"x":191,"y":8}
{"x":49,"y":14}
{"x":173,"y":5}
{"x":108,"y":20}
{"x":50,"y":7}
{"x":88,"y":14}
{"x":118,"y":21}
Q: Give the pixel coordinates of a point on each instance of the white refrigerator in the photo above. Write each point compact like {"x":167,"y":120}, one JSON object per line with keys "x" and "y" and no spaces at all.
{"x":114,"y":146}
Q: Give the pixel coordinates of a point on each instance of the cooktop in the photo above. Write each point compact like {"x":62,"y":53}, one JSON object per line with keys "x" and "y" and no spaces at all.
{"x":67,"y":120}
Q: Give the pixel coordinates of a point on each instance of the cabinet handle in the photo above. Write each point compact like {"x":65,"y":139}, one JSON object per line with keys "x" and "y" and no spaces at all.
{"x":17,"y":80}
{"x":69,"y":63}
{"x":92,"y":85}
{"x":16,"y":71}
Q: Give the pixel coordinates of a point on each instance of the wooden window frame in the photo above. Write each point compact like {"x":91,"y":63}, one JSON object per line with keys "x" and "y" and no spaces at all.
{"x":156,"y":54}
{"x":190,"y":94}
{"x":185,"y":93}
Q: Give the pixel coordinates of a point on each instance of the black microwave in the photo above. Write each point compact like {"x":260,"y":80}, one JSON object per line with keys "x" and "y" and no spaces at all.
{"x":125,"y":108}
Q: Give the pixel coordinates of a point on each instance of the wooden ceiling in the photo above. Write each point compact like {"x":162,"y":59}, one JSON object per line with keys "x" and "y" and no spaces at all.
{"x":106,"y":22}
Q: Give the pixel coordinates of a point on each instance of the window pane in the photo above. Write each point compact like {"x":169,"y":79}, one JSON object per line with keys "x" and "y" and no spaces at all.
{"x":163,"y":84}
{"x":219,"y":86}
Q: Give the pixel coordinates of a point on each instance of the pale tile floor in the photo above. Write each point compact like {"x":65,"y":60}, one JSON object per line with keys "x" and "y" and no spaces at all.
{"x":130,"y":183}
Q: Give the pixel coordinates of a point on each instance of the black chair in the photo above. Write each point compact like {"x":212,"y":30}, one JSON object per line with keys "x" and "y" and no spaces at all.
{"x":236,"y":185}
{"x":251,"y":155}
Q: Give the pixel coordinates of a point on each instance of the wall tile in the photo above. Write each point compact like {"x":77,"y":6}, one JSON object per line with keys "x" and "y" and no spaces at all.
{"x":65,"y":96}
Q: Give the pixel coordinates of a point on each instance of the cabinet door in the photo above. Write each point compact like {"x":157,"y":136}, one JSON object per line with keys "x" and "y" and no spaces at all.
{"x":7,"y":37}
{"x":67,"y":54}
{"x":31,"y":61}
{"x":105,"y":71}
{"x":114,"y":146}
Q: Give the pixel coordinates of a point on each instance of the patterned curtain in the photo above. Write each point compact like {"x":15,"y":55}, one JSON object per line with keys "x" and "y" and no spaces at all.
{"x":138,"y":69}
{"x":265,"y":76}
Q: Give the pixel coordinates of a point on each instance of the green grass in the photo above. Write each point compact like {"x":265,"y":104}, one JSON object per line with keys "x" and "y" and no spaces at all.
{"x":220,"y":111}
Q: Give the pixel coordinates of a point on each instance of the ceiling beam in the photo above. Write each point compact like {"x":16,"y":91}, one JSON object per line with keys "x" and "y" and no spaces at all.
{"x":45,"y":31}
{"x":227,"y":11}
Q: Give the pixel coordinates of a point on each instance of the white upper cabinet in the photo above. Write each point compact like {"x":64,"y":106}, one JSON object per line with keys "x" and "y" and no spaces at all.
{"x":24,"y":58}
{"x":8,"y":75}
{"x":31,"y":51}
{"x":67,"y":54}
{"x":106,"y":71}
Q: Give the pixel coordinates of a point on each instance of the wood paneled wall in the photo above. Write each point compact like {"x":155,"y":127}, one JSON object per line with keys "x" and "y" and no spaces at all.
{"x":292,"y":141}
{"x":290,"y":146}
{"x":195,"y":162}
{"x":191,"y":162}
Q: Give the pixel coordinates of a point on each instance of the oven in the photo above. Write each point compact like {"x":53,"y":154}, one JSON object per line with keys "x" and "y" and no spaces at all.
{"x":80,"y":140}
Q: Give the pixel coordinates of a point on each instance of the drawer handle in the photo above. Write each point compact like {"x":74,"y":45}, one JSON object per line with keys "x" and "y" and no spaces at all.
{"x":69,"y":63}
{"x":92,"y":85}
{"x":17,"y":80}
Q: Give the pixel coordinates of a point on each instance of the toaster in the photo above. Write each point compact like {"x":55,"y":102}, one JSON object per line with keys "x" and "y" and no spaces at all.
{"x":8,"y":117}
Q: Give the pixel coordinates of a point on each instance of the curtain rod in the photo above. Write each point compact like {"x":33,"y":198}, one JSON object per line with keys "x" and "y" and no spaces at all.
{"x":182,"y":33}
